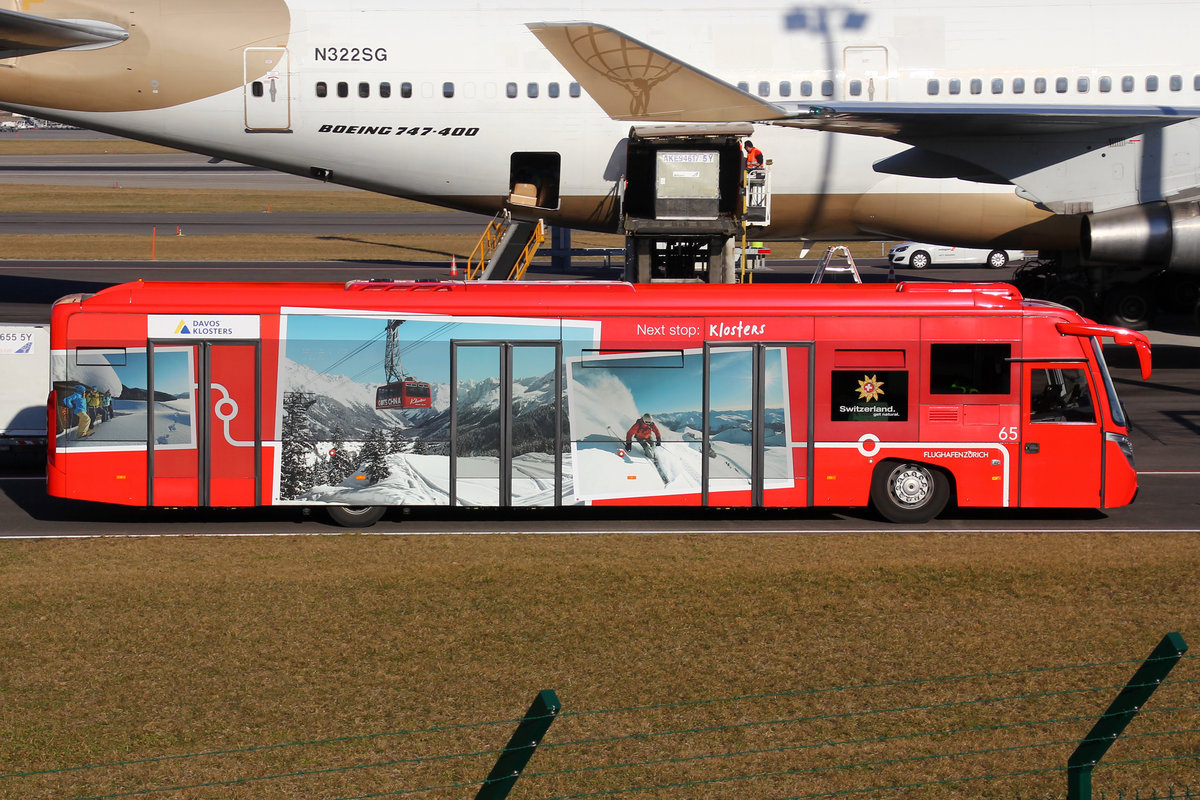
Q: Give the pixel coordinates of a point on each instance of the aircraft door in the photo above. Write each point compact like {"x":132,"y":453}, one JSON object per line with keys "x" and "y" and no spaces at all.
{"x":866,"y":73}
{"x":267,"y":89}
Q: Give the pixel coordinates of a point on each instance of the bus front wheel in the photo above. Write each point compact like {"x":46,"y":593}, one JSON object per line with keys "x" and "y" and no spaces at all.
{"x":907,"y":492}
{"x":355,"y":516}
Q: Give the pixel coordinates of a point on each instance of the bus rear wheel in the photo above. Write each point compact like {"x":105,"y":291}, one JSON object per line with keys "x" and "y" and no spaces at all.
{"x":907,"y":492}
{"x":355,"y":516}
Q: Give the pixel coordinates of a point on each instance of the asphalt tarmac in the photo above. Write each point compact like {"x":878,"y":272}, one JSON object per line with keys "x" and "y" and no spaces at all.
{"x":1165,"y":411}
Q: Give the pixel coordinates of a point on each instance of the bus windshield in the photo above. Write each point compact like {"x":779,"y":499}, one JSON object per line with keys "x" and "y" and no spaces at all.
{"x":1115,"y":409}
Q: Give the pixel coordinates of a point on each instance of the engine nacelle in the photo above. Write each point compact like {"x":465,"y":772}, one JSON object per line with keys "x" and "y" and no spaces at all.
{"x":1166,"y":234}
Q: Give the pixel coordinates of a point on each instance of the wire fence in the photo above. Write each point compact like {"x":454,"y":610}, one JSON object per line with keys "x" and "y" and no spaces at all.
{"x":998,"y":734}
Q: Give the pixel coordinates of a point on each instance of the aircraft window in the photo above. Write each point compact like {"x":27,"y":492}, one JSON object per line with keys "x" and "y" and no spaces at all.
{"x":1061,"y":85}
{"x":256,"y":89}
{"x":976,"y":86}
{"x":955,"y":86}
{"x":855,"y":88}
{"x":997,"y":86}
{"x":385,"y":89}
{"x":764,"y":89}
{"x":827,"y":88}
{"x":364,"y":89}
{"x":552,"y":89}
{"x":448,"y":89}
{"x":745,"y":87}
{"x":322,"y":89}
{"x":933,"y":87}
{"x":1105,"y":84}
{"x":1039,"y":85}
{"x":1018,"y":86}
{"x":1127,"y":83}
{"x":406,"y":89}
{"x":1083,"y":85}
{"x":510,"y":90}
{"x":1151,"y":83}
{"x":785,"y":88}
{"x":1176,"y":83}
{"x":574,"y":90}
{"x":531,"y":90}
{"x":806,"y":88}
{"x":343,"y":89}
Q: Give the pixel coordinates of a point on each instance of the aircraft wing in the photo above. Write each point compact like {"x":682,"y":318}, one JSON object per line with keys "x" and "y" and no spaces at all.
{"x":633,"y":81}
{"x":920,"y":121}
{"x":27,"y":34}
{"x":1055,"y":155}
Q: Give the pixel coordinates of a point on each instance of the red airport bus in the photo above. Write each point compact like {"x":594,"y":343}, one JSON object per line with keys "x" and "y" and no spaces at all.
{"x":905,"y":397}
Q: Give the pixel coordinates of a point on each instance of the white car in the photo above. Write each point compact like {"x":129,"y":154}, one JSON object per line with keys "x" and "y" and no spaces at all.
{"x":919,"y":255}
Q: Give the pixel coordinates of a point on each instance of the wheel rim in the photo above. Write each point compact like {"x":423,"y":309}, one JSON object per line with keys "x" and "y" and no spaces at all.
{"x":911,"y":486}
{"x":357,"y":511}
{"x":997,"y":260}
{"x":920,"y":261}
{"x":1133,"y":307}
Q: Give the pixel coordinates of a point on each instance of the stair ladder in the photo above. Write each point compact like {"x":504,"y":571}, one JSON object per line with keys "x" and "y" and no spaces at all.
{"x":819,"y":275}
{"x":507,"y":247}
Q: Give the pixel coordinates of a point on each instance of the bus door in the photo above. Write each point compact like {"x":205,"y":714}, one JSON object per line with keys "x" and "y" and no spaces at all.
{"x":751,"y":416}
{"x":1062,"y":440}
{"x":506,"y":423}
{"x":205,"y":425}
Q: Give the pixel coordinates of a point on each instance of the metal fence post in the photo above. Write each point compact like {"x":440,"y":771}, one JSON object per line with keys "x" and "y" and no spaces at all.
{"x":520,"y":747}
{"x":1124,"y":708}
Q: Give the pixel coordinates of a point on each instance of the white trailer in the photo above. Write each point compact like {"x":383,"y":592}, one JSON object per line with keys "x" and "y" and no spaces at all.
{"x":24,"y":385}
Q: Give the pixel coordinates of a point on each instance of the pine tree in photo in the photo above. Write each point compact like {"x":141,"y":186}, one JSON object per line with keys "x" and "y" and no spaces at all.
{"x":374,"y":457}
{"x":340,"y":463}
{"x":397,"y":441}
{"x":296,"y":472}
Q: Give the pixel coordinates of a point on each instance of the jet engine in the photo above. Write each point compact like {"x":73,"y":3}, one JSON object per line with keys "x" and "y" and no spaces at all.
{"x":1166,"y":234}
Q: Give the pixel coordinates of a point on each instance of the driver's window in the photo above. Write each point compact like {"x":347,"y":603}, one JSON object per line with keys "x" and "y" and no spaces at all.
{"x":1060,"y":395}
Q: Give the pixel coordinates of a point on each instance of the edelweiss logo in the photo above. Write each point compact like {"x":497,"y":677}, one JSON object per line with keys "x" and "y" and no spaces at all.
{"x":870,"y":388}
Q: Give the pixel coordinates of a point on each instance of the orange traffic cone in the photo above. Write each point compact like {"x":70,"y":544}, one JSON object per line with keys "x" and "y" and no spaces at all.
{"x":453,"y":267}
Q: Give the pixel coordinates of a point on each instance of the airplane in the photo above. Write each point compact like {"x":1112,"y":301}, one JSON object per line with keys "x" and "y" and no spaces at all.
{"x":1069,"y":128}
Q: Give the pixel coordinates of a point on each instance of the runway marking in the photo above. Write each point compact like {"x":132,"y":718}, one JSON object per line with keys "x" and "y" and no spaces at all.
{"x":1171,"y":472}
{"x":681,"y":531}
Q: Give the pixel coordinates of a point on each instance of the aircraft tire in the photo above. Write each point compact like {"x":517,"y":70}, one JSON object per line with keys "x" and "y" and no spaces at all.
{"x":1129,"y":306}
{"x":1074,"y":296}
{"x":355,"y":516}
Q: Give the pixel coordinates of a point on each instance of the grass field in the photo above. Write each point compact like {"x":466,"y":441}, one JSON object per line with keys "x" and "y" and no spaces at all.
{"x":383,"y":648}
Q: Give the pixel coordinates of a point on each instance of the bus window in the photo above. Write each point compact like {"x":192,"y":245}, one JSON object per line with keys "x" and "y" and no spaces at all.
{"x":970,"y":368}
{"x":1060,"y":395}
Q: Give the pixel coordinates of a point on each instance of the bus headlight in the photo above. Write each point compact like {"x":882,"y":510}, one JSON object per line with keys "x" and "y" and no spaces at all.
{"x":1122,"y":442}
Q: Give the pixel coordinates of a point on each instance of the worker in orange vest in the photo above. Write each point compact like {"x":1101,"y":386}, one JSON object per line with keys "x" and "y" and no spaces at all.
{"x":754,"y":156}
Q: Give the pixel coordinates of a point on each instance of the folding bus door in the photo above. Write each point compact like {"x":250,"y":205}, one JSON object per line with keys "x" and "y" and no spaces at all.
{"x":1062,"y":440}
{"x":204,"y":427}
{"x":753,"y":417}
{"x":506,"y":423}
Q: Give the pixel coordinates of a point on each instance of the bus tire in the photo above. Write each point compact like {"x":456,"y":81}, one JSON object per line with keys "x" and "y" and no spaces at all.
{"x":908,"y":492}
{"x":355,"y":516}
